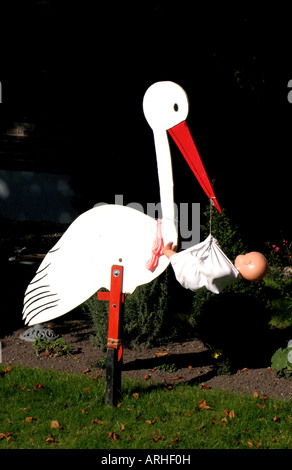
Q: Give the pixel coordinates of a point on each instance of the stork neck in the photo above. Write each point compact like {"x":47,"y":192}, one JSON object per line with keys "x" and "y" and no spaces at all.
{"x":164,"y":173}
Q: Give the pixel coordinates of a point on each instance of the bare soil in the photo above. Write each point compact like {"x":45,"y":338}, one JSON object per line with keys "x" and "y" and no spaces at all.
{"x":192,"y":359}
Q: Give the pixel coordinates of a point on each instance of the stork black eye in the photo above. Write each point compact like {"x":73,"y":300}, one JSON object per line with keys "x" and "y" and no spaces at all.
{"x":175,"y":107}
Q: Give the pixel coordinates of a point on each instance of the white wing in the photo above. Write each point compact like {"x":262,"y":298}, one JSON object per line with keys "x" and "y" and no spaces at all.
{"x":80,"y":263}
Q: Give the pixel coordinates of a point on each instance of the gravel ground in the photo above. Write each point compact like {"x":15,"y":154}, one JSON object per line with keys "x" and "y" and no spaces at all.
{"x":192,"y":360}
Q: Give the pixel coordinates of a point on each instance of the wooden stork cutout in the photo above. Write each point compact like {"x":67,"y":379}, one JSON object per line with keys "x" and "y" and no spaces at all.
{"x":81,"y":261}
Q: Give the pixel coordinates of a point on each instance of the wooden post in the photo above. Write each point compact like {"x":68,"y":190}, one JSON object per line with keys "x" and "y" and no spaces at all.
{"x":114,"y":343}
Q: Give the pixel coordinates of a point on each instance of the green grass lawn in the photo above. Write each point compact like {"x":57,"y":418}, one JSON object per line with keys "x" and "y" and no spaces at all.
{"x":47,"y":409}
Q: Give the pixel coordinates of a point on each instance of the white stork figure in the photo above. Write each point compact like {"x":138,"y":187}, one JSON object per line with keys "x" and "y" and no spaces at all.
{"x":80,"y":262}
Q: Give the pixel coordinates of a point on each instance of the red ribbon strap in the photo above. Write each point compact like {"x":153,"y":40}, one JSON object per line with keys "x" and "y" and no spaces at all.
{"x":157,"y":248}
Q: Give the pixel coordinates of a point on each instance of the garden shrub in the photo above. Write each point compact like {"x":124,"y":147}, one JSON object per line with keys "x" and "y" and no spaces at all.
{"x":236,"y":320}
{"x":281,"y":363}
{"x":147,"y":319}
{"x":145,"y":313}
{"x":97,"y":310}
{"x":58,"y":347}
{"x":279,"y":286}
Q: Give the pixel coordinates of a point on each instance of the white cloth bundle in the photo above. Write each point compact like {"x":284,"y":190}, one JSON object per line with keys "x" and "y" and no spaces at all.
{"x":204,"y":266}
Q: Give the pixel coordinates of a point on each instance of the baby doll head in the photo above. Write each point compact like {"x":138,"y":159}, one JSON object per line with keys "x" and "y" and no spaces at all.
{"x":253,"y":266}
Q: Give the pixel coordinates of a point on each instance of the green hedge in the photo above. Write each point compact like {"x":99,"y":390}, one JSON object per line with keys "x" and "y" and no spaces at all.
{"x":149,"y":317}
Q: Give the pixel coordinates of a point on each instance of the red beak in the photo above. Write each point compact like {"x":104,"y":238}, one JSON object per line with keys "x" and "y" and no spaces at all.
{"x":183,"y":139}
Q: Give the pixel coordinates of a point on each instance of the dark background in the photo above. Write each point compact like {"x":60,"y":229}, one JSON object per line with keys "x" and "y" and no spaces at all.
{"x":76,"y":73}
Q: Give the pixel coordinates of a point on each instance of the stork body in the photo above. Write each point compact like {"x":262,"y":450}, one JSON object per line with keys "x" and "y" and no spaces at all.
{"x":80,"y":262}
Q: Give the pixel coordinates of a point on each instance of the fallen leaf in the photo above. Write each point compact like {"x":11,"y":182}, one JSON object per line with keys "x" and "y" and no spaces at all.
{"x":232,"y":414}
{"x":261,"y":405}
{"x":161,"y":354}
{"x":243,"y":370}
{"x":224,"y":420}
{"x":190,"y":367}
{"x":258,"y":445}
{"x":50,"y":440}
{"x":175,"y":378}
{"x":150,"y":421}
{"x":136,"y":395}
{"x":98,"y":421}
{"x":84,"y":412}
{"x":95,"y":376}
{"x":87,"y":389}
{"x":156,"y":439}
{"x":2,"y":435}
{"x":85,"y":371}
{"x":277,"y":407}
{"x":119,"y":405}
{"x":201,"y":427}
{"x":264,"y":397}
{"x":226,"y":412}
{"x":113,"y":435}
{"x":38,"y":386}
{"x":255,"y":394}
{"x":29,"y":419}
{"x":122,"y":426}
{"x":249,"y":443}
{"x":203,"y":405}
{"x":154,"y":369}
{"x":5,"y":371}
{"x":275,"y":419}
{"x":146,"y":377}
{"x":174,"y":440}
{"x":55,"y":425}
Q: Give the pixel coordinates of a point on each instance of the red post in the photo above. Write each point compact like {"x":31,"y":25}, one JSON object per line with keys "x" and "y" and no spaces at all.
{"x":114,"y":343}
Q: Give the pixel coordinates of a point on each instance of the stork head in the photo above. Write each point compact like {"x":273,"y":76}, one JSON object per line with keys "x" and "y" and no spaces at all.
{"x":166,"y":107}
